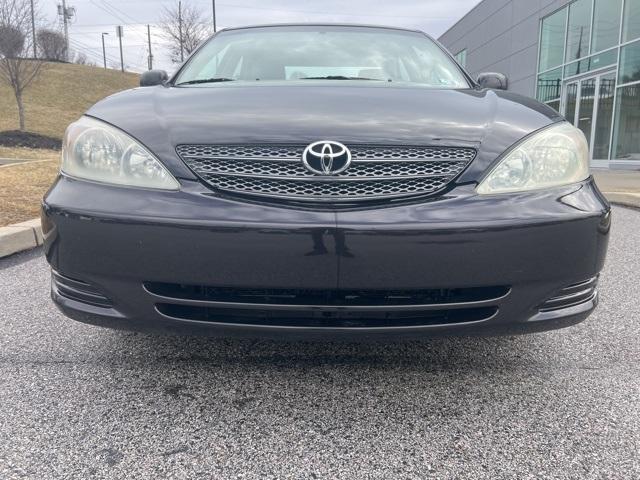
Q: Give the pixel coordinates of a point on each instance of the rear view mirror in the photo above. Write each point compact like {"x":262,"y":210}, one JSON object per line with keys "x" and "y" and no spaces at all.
{"x":497,"y":81}
{"x":153,"y":77}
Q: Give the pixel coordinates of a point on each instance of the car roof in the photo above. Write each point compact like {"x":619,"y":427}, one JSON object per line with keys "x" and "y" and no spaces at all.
{"x":324,"y":24}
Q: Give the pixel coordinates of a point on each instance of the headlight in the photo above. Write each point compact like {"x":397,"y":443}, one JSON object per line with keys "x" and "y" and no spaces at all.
{"x":558,"y":155}
{"x":96,"y":151}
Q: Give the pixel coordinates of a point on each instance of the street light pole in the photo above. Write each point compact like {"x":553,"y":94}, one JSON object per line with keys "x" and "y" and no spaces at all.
{"x":149,"y":40}
{"x":104,"y":52}
{"x":213,"y":5}
{"x":120,"y":33}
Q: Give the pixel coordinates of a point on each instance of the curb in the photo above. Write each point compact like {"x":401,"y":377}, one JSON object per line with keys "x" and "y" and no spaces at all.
{"x":12,"y":162}
{"x":20,"y":236}
{"x":625,"y":199}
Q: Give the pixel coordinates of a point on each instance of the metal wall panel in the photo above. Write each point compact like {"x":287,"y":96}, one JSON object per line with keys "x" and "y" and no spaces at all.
{"x":502,"y":35}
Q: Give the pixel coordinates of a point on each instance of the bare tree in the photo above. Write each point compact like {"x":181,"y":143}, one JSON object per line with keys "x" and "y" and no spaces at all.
{"x":184,"y":27}
{"x":51,"y":45}
{"x":16,"y":69}
{"x":81,"y":59}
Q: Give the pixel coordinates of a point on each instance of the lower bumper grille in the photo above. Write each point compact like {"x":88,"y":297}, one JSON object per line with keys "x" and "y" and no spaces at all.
{"x":79,"y":291}
{"x":572,"y":295}
{"x":327,"y":319}
{"x":326,"y":308}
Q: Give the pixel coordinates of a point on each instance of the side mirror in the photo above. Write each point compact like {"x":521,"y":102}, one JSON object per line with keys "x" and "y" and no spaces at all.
{"x":497,"y":81}
{"x":153,"y":77}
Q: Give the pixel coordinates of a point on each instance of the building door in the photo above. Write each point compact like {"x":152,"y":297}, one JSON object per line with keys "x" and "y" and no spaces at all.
{"x":588,"y":104}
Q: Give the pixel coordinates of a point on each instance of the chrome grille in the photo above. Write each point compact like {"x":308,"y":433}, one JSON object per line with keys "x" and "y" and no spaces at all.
{"x":375,"y":172}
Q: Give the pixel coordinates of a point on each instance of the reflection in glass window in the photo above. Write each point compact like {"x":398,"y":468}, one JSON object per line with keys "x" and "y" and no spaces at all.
{"x":631,"y":20}
{"x":549,"y":85}
{"x":308,"y":52}
{"x":571,"y":102}
{"x":555,"y":104}
{"x":630,"y":63}
{"x":605,"y":114}
{"x":587,"y":98}
{"x":579,"y":31}
{"x":461,"y":58}
{"x":606,"y":24}
{"x":552,"y":40}
{"x":595,"y":62}
{"x":627,"y":130}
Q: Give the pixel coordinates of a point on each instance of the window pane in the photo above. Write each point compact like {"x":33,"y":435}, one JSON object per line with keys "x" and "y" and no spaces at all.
{"x":631,"y":20}
{"x":606,"y":24}
{"x":552,"y":40}
{"x":461,"y":58}
{"x":555,"y":104}
{"x":585,"y":115}
{"x":627,"y":135}
{"x":610,"y":57}
{"x":549,"y":85}
{"x":570,"y":107}
{"x":605,"y":114}
{"x":630,"y":63}
{"x":579,"y":30}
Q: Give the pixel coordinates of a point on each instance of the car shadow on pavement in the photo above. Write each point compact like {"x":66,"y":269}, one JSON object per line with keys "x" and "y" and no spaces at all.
{"x":444,"y":353}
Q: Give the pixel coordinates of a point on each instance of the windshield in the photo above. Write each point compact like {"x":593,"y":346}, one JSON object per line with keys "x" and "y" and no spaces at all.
{"x":322,"y":53}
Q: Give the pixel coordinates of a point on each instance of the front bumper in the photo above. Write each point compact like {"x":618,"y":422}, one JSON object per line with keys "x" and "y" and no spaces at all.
{"x":192,"y":262}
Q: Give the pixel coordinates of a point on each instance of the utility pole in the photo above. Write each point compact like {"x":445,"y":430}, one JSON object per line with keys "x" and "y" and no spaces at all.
{"x":213,"y":4}
{"x":120,"y":33}
{"x":66,"y":30}
{"x":104,"y":52}
{"x":67,"y":13}
{"x":33,"y":30}
{"x":149,"y":40}
{"x":180,"y":30}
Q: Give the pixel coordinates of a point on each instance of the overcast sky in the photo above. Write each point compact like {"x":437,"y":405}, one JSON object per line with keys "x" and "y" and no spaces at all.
{"x":96,"y":16}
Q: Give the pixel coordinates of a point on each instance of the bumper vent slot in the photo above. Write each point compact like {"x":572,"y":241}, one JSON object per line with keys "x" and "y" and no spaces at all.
{"x":572,"y":295}
{"x":376,"y":172}
{"x":320,"y":319}
{"x":345,"y":298}
{"x":79,"y":291}
{"x":326,"y":308}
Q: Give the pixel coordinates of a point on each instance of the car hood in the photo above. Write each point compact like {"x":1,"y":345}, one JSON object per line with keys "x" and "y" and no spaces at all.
{"x":163,"y":117}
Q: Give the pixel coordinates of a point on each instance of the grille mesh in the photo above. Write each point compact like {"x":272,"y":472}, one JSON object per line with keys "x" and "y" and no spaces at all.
{"x":375,"y":172}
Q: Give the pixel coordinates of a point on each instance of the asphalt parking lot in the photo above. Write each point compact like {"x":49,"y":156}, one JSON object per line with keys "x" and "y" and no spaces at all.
{"x":82,"y":402}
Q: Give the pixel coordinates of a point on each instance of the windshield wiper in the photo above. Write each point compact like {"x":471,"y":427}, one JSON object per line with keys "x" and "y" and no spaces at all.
{"x":339,"y":77}
{"x":206,"y":80}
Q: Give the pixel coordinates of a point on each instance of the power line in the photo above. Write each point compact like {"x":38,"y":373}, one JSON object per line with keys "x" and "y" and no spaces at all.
{"x":93,"y":52}
{"x":88,"y":50}
{"x":116,"y":9}
{"x":312,"y":12}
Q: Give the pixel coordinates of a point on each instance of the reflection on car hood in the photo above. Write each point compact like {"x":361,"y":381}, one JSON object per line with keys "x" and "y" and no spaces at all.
{"x":162,"y":117}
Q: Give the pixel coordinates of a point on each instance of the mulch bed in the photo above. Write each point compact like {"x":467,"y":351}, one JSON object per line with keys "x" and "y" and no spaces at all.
{"x":16,"y":138}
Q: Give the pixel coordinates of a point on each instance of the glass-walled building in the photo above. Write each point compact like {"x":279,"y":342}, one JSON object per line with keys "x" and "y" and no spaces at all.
{"x":581,"y":57}
{"x":589,"y":70}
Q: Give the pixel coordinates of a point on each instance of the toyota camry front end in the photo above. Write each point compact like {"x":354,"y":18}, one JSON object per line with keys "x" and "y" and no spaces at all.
{"x":324,"y":180}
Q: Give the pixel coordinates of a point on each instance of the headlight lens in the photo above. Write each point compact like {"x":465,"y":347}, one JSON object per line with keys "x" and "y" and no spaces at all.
{"x":96,"y":151}
{"x":556,"y":156}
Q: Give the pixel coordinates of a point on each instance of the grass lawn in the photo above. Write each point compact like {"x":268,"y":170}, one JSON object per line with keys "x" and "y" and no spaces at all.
{"x":23,"y":153}
{"x":23,"y":186}
{"x":61,"y":94}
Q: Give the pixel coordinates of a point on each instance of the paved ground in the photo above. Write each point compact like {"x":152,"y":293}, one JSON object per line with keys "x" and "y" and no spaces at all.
{"x":82,"y":402}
